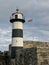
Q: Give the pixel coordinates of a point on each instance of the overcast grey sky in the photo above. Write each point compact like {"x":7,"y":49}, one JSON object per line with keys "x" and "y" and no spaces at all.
{"x":37,"y":10}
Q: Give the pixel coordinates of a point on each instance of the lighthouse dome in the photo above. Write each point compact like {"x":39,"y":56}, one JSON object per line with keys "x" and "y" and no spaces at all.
{"x":17,"y":16}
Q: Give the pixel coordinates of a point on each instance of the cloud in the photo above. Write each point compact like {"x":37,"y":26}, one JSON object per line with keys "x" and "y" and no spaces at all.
{"x":5,"y":36}
{"x":36,"y":34}
{"x":5,"y":39}
{"x":4,"y":48}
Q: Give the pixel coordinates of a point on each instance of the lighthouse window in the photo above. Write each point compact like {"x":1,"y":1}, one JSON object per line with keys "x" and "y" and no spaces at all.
{"x":16,"y":16}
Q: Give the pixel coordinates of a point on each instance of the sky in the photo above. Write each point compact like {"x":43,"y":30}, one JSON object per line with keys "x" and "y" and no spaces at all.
{"x":36,"y":30}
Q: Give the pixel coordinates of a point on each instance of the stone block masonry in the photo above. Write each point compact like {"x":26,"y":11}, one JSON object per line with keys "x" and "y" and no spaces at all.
{"x":42,"y":51}
{"x":26,"y":56}
{"x":30,"y":56}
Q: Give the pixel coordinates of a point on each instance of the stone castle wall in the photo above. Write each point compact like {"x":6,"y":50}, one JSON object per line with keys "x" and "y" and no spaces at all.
{"x":33,"y":53}
{"x":42,"y":51}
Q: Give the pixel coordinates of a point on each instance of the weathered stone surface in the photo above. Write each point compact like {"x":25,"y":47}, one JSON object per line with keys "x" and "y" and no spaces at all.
{"x":29,"y":44}
{"x":30,"y":56}
{"x":42,"y":51}
{"x":27,"y":56}
{"x":43,"y":56}
{"x":19,"y":57}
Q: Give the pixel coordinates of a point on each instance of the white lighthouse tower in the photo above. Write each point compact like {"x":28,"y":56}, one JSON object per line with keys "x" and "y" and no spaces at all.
{"x":17,"y":20}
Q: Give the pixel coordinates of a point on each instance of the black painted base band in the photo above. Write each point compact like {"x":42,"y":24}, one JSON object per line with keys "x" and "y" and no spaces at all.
{"x":14,"y":51}
{"x":14,"y":20}
{"x":17,"y":33}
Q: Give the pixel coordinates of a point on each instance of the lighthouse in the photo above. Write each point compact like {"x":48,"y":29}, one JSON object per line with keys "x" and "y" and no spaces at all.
{"x":17,"y":20}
